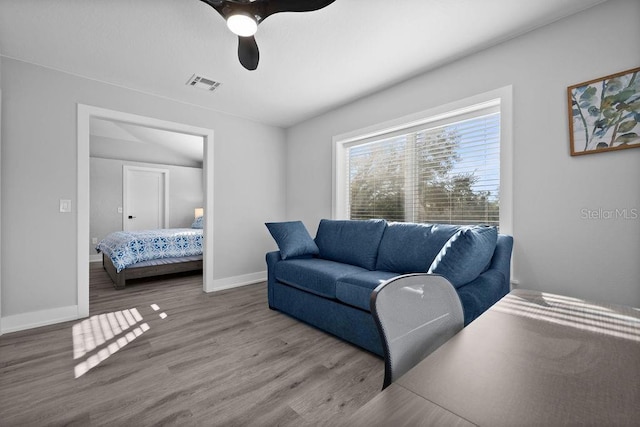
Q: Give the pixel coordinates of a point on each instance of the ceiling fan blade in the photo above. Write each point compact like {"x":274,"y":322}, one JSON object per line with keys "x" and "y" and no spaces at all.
{"x":258,"y":10}
{"x":276,"y":6}
{"x":218,"y":5}
{"x":248,"y":52}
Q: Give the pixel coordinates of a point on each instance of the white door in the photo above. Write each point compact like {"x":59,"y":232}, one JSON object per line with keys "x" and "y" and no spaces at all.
{"x":145,"y":198}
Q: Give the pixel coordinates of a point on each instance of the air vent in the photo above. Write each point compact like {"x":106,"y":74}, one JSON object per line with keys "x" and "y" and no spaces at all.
{"x":203,"y":83}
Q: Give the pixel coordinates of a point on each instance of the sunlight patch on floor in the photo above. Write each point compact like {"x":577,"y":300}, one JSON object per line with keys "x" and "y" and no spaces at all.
{"x":98,"y":337}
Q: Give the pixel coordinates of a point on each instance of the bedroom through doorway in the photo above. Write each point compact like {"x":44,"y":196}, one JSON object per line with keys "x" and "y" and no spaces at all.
{"x":120,"y":153}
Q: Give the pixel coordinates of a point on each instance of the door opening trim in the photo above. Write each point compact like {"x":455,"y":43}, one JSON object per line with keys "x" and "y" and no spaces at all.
{"x":84,"y":115}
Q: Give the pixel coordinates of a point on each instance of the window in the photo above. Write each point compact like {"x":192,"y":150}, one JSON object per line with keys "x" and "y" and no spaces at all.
{"x":444,"y":168}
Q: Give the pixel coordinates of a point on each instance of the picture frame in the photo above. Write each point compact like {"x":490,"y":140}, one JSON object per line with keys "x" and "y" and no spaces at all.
{"x":604,"y":113}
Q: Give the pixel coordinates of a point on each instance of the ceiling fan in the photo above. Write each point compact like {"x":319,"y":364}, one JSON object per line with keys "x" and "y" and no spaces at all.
{"x":243,"y":17}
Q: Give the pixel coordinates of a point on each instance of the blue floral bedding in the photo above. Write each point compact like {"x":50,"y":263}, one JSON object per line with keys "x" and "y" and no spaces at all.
{"x":126,"y":248}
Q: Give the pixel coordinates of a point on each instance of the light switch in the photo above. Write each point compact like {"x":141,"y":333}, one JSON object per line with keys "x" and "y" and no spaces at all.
{"x":65,"y":205}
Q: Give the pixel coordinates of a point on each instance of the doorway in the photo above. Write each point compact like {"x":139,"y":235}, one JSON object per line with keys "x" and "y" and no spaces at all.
{"x":145,"y":199}
{"x":85,"y":113}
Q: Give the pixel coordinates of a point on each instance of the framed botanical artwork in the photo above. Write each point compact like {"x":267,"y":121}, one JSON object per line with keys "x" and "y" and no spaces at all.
{"x":604,"y":114}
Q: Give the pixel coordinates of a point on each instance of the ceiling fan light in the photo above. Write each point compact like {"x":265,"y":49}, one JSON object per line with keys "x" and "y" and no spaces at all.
{"x":242,"y":25}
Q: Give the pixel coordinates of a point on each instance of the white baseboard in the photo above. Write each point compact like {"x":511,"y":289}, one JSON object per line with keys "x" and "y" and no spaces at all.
{"x":34,"y":319}
{"x":95,"y":258}
{"x":237,"y":281}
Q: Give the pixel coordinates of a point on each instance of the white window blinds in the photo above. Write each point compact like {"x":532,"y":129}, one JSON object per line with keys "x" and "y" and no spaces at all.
{"x":443,"y":172}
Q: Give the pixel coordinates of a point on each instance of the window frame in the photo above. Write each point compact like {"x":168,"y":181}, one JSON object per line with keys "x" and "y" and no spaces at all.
{"x":450,"y":112}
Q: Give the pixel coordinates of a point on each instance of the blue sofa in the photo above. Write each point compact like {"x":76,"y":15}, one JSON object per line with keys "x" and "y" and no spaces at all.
{"x":328,"y":283}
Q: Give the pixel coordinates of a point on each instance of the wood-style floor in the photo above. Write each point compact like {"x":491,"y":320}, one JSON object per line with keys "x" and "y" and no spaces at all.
{"x":215,"y":359}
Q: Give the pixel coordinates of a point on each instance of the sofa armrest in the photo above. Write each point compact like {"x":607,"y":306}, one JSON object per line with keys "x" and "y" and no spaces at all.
{"x":272,"y":258}
{"x":501,"y":259}
{"x":481,"y":293}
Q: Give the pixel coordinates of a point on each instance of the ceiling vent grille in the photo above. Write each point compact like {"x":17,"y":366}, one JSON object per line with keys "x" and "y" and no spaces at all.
{"x":203,"y":83}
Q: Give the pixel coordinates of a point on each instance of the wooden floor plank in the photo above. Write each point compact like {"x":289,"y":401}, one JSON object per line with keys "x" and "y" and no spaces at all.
{"x":222,"y":358}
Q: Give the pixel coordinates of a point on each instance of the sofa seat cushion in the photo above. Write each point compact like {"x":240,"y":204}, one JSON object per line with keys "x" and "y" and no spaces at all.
{"x":318,"y":276}
{"x":356,"y":289}
{"x":411,"y":248}
{"x":351,"y":242}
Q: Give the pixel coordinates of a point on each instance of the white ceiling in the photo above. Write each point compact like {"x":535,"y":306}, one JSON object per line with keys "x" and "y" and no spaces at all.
{"x":310,"y":62}
{"x":124,"y":141}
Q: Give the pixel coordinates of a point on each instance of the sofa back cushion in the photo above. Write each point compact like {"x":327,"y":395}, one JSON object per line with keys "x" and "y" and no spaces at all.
{"x":350,"y":241}
{"x":466,"y":254}
{"x":411,"y":248}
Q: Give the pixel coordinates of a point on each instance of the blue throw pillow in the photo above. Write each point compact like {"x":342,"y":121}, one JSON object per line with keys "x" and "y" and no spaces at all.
{"x":466,"y":254}
{"x":292,"y":238}
{"x":197,"y":223}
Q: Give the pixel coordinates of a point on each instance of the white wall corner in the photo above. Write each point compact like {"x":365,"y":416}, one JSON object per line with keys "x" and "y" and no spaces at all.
{"x":237,"y":281}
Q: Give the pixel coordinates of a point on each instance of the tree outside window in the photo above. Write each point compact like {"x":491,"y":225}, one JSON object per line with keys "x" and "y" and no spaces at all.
{"x":448,"y":174}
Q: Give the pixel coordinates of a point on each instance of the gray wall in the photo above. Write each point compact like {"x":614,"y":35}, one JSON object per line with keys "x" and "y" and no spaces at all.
{"x":555,"y":249}
{"x":0,"y":195}
{"x":39,"y":108}
{"x":185,"y":194}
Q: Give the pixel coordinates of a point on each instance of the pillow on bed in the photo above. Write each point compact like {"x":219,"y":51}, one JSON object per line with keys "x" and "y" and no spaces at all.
{"x":197,"y":223}
{"x":292,"y":238}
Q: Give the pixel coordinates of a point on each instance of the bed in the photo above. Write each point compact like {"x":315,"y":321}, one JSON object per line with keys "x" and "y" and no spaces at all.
{"x":136,"y":254}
